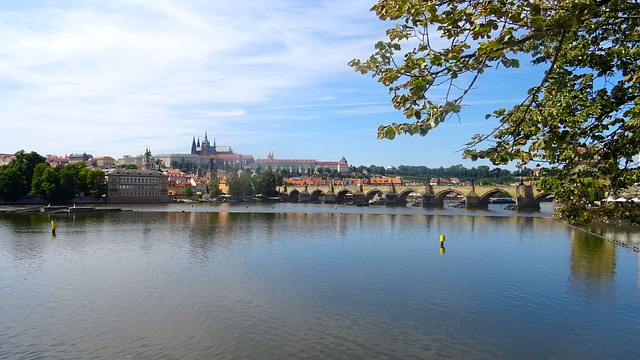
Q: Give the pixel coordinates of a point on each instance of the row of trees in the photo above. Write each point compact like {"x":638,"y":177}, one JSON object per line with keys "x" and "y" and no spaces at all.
{"x":479,"y":175}
{"x":29,"y":175}
{"x":245,"y":185}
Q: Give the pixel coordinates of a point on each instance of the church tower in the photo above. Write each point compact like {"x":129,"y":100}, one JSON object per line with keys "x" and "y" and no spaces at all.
{"x":147,"y":164}
{"x":193,"y":146}
{"x":204,"y":150}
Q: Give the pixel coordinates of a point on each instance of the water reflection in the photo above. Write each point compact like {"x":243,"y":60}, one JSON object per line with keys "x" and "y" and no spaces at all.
{"x":623,"y":235}
{"x":24,"y":246}
{"x":313,"y":285}
{"x":593,"y":263}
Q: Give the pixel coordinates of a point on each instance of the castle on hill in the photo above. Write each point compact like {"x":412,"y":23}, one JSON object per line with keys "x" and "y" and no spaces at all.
{"x":206,"y":149}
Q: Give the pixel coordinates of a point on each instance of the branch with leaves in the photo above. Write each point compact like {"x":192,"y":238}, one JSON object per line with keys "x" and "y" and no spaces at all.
{"x":581,"y":119}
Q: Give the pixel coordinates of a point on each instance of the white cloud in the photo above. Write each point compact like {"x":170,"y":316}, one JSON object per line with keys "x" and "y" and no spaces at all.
{"x":113,"y":77}
{"x":219,"y":113}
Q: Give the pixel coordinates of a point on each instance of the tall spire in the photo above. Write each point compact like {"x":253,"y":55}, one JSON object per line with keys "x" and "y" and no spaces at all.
{"x":193,"y":146}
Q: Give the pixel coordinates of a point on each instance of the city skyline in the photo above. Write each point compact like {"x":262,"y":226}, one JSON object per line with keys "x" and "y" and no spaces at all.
{"x":113,"y":78}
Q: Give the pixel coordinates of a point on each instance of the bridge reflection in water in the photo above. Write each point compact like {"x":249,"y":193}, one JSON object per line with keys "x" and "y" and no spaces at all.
{"x":477,"y":197}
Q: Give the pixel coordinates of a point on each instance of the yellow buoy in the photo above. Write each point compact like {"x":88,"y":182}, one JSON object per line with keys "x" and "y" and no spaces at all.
{"x":54,"y":226}
{"x":442,"y":238}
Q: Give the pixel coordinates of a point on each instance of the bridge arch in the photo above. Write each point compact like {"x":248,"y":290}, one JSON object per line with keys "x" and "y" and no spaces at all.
{"x":484,"y":198}
{"x":402,"y":197}
{"x":341,"y":195}
{"x":294,"y":196}
{"x":315,"y":195}
{"x":442,"y":194}
{"x":541,"y":196}
{"x":372,"y":193}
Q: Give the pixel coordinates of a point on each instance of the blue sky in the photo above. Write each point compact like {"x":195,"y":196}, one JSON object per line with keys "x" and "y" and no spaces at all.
{"x":113,"y":77}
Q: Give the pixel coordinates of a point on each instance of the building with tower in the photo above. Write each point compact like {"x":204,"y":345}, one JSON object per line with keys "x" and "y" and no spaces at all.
{"x":301,"y":166}
{"x":206,"y":148}
{"x":144,"y":185}
{"x":206,"y":158}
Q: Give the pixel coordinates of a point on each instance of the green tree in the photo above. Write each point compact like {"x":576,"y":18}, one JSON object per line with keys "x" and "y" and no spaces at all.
{"x":68,"y":184}
{"x":279,"y":179}
{"x":76,"y":168}
{"x":582,"y":118}
{"x":239,"y":186}
{"x":214,"y":187}
{"x":25,"y":164}
{"x":11,"y":184}
{"x":37,"y":179}
{"x":264,"y":184}
{"x":188,"y":192}
{"x":93,"y":181}
{"x":46,"y":183}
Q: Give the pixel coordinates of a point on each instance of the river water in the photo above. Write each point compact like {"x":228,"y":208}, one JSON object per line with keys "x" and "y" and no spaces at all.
{"x":297,"y":281}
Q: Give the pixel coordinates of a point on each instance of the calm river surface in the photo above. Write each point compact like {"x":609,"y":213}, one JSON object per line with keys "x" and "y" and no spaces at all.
{"x":297,"y":281}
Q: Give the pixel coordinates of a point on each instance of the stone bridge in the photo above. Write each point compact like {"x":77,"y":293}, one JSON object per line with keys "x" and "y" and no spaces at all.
{"x":526,"y":197}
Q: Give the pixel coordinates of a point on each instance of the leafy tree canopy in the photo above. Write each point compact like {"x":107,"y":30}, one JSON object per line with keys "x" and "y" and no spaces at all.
{"x":582,"y":117}
{"x":25,"y":164}
{"x":11,"y":184}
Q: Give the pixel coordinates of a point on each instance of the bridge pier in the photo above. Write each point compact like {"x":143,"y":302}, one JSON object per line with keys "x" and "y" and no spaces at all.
{"x":525,"y":201}
{"x":473,"y":201}
{"x":430,"y":201}
{"x":330,"y":198}
{"x":304,"y":195}
{"x":283,"y":195}
{"x":360,"y":199}
{"x":429,"y":198}
{"x":392,"y":199}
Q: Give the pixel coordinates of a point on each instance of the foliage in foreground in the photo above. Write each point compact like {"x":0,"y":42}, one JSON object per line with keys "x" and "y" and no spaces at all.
{"x":582,"y":119}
